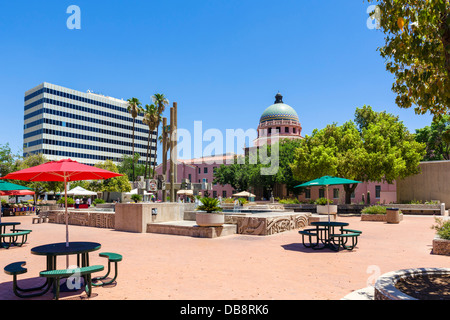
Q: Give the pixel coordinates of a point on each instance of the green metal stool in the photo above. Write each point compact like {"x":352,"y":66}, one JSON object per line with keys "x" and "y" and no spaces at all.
{"x":112,"y":257}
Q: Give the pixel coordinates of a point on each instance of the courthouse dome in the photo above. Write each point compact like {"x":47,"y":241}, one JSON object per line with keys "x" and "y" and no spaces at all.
{"x":279,"y":111}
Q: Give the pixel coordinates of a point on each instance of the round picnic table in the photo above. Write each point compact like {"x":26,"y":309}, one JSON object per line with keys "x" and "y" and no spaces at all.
{"x":324,"y":231}
{"x":52,"y":250}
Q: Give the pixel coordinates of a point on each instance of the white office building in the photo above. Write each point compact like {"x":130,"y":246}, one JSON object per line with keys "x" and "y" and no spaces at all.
{"x":86,"y":127}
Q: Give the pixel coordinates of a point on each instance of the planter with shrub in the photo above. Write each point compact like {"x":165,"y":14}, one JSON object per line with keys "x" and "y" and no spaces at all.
{"x":378,"y":213}
{"x":441,"y":243}
{"x":212,"y":217}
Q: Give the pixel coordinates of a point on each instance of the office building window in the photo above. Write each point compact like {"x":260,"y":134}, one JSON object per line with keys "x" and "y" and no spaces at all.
{"x":224,"y":193}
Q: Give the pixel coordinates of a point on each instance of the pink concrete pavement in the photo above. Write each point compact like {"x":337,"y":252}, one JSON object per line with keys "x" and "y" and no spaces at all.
{"x":168,"y":267}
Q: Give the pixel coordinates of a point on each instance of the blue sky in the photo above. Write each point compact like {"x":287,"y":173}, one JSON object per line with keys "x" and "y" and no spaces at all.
{"x":222,"y":61}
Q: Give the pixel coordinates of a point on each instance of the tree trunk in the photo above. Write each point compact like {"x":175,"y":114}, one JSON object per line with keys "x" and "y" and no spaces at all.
{"x":146,"y":161}
{"x":156,"y":149}
{"x":132,"y":153}
{"x":348,"y":192}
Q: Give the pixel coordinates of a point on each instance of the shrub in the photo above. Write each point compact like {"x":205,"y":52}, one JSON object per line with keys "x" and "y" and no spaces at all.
{"x":289,"y":201}
{"x":69,"y":200}
{"x":136,"y":197}
{"x":323,"y":201}
{"x":209,"y":205}
{"x":242,"y":201}
{"x":442,"y":228}
{"x":98,"y":200}
{"x":374,"y":210}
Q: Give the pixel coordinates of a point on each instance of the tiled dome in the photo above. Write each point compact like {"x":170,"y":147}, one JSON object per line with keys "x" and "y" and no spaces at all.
{"x":279,"y":111}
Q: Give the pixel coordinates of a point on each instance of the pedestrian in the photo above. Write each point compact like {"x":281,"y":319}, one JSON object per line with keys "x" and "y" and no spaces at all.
{"x":77,"y":203}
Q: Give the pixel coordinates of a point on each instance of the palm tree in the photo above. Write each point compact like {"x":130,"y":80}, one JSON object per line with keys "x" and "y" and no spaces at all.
{"x":134,"y":108}
{"x":160,"y":101}
{"x":150,"y":119}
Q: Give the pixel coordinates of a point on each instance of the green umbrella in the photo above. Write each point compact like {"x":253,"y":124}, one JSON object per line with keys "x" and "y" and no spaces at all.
{"x":327,"y":181}
{"x":8,"y":186}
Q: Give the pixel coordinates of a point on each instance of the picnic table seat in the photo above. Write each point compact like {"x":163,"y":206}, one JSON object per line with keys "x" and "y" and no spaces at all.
{"x":85,"y":272}
{"x":13,"y":237}
{"x":15,"y":269}
{"x":344,"y":237}
{"x":112,"y":257}
{"x":310,"y":233}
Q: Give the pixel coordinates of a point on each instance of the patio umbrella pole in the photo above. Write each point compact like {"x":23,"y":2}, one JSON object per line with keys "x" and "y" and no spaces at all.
{"x":67,"y":220}
{"x":328,"y":206}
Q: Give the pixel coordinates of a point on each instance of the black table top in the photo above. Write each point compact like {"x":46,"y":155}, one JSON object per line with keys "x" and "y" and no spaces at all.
{"x":331,"y":223}
{"x":9,"y":223}
{"x":55,"y":249}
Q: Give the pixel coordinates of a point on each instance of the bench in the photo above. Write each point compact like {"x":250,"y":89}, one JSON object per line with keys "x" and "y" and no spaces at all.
{"x":42,"y":217}
{"x":15,"y":269}
{"x":13,"y":237}
{"x":310,"y":233}
{"x":86,"y":272}
{"x":112,"y":257}
{"x":342,"y":238}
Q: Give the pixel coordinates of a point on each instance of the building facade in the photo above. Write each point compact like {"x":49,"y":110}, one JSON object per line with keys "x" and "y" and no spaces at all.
{"x":86,"y":127}
{"x":200,"y":170}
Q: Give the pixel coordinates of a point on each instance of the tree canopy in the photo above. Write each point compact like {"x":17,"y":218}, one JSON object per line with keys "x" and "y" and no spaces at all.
{"x":436,"y":137}
{"x":376,"y":147}
{"x":417,"y":52}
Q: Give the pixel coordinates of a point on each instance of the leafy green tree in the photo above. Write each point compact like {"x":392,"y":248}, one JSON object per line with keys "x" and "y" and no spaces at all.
{"x":7,"y":160}
{"x":237,"y":175}
{"x":436,"y":138}
{"x":417,"y":52}
{"x":125,"y":165}
{"x":134,"y":108}
{"x":377,"y":148}
{"x":116,"y":184}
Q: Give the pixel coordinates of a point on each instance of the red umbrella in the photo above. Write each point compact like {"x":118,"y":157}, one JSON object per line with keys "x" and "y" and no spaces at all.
{"x":17,"y":193}
{"x":63,"y":170}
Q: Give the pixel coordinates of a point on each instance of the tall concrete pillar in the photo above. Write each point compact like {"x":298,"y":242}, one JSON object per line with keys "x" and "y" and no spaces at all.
{"x":164,"y":167}
{"x":172,"y":163}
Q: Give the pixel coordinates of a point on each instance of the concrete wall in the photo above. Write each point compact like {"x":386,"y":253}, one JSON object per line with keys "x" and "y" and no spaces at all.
{"x":432,"y":184}
{"x":134,"y":217}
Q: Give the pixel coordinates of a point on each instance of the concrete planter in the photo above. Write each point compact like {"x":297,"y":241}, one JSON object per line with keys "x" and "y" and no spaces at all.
{"x":204,"y":219}
{"x":379,"y":217}
{"x":324,"y":209}
{"x":385,"y":288}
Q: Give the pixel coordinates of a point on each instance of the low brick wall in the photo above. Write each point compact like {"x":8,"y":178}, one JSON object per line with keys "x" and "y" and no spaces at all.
{"x":377,"y":217}
{"x":84,"y":218}
{"x":441,"y":246}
